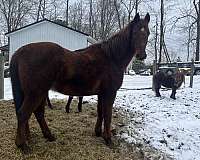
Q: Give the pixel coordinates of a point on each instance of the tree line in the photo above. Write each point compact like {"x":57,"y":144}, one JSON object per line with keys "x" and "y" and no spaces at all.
{"x":102,"y":18}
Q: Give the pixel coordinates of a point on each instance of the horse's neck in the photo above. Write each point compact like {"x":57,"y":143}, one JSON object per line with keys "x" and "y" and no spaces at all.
{"x":118,"y":50}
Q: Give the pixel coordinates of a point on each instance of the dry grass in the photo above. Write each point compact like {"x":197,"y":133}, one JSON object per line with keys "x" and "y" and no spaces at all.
{"x":74,"y":133}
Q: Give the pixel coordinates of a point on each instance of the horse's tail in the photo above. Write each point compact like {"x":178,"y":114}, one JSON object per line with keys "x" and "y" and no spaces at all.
{"x":18,"y":95}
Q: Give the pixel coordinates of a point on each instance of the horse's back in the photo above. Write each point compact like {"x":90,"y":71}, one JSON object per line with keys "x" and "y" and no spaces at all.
{"x":38,"y":64}
{"x":38,"y":50}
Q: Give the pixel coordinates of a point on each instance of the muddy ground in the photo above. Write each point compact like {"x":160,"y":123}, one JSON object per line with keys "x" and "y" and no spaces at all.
{"x":75,"y":136}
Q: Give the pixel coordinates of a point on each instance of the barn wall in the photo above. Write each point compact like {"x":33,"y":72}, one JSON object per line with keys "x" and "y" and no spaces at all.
{"x":47,"y":32}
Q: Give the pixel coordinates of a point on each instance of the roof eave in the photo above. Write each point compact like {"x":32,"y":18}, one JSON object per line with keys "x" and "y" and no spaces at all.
{"x":19,"y":29}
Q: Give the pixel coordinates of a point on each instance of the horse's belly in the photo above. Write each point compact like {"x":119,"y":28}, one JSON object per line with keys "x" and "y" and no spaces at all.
{"x":168,"y":84}
{"x":78,"y":92}
{"x":75,"y":90}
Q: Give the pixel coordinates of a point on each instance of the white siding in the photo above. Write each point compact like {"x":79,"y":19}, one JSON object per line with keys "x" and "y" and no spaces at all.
{"x":47,"y":32}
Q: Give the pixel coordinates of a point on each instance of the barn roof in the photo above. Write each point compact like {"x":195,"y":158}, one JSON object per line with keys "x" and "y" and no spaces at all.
{"x":47,"y":21}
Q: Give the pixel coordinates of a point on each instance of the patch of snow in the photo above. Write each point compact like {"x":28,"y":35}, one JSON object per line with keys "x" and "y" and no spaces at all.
{"x":172,"y":126}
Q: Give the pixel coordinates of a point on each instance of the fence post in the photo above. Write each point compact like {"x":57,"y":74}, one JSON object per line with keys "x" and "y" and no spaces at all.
{"x":192,"y":73}
{"x":177,"y":67}
{"x":1,"y":76}
{"x":154,"y":71}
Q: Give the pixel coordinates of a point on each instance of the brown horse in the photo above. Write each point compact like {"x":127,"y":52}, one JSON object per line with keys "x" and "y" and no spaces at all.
{"x":67,"y":107}
{"x":96,"y":70}
{"x":173,"y":81}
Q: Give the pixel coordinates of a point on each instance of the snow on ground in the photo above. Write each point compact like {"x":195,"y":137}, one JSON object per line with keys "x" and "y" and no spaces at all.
{"x":172,"y":126}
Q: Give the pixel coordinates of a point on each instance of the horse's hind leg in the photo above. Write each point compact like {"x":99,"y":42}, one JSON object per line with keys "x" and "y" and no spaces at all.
{"x":157,"y":92}
{"x":173,"y":93}
{"x":80,"y":104}
{"x":23,"y":116}
{"x":39,"y":114}
{"x":49,"y":103}
{"x":27,"y":130}
{"x":157,"y":88}
{"x":108,"y":100}
{"x":98,"y":126}
{"x":68,"y":103}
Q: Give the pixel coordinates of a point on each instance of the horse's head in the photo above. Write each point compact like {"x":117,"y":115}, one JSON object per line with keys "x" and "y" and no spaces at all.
{"x":139,"y":35}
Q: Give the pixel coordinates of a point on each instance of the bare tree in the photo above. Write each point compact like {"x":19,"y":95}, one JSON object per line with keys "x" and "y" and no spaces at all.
{"x":90,"y":17}
{"x":197,"y":9}
{"x":14,"y":11}
{"x":130,"y":5}
{"x":117,"y":8}
{"x":187,"y":22}
{"x":39,"y":10}
{"x":161,"y":30}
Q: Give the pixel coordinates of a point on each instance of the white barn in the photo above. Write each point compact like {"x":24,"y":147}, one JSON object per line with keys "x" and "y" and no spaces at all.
{"x":48,"y":31}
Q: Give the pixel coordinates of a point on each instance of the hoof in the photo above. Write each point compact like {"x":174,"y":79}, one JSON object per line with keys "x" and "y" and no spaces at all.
{"x":25,"y":149}
{"x":108,"y":142}
{"x":28,"y":135}
{"x":50,"y":138}
{"x":98,"y":132}
{"x":172,"y":97}
{"x":158,"y":95}
{"x":67,"y":110}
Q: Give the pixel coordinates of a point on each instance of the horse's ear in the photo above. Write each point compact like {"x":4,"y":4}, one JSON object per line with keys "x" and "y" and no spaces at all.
{"x":136,"y":18}
{"x":147,"y":17}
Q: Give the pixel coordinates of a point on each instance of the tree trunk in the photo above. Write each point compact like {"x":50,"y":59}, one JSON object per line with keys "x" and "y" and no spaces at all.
{"x":156,"y":39}
{"x":67,"y":13}
{"x":161,"y":30}
{"x":90,"y":19}
{"x":39,"y":10}
{"x":118,"y":14}
{"x":136,"y":7}
{"x":198,"y":33}
{"x":44,"y":9}
{"x":188,"y":44}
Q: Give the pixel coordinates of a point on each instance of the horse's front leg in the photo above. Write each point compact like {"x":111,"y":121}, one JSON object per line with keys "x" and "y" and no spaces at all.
{"x":80,"y":101}
{"x":68,"y":103}
{"x":173,"y":93}
{"x":98,"y":126}
{"x":107,"y":105}
{"x":157,"y":87}
{"x":49,"y":103}
{"x":157,"y":92}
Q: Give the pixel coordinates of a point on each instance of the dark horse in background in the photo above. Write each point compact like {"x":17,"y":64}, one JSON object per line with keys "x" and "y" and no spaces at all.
{"x":95,"y":70}
{"x":67,"y":107}
{"x":173,"y":81}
